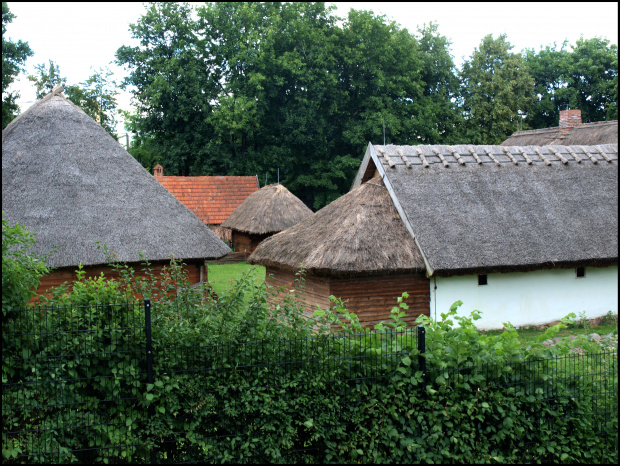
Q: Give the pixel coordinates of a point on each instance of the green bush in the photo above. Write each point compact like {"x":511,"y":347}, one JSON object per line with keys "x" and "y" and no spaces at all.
{"x":21,"y":268}
{"x":238,"y":382}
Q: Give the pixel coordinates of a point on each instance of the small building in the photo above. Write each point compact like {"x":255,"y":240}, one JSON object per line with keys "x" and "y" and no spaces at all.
{"x":211,"y":198}
{"x":67,"y":180}
{"x":264,"y":213}
{"x":571,"y":132}
{"x":523,"y":234}
{"x":355,"y":248}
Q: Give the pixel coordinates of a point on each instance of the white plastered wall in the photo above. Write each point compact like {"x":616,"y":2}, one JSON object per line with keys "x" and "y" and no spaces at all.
{"x":528,"y":298}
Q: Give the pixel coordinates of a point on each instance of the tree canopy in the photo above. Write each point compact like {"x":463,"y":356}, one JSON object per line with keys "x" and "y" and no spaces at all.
{"x":290,"y":88}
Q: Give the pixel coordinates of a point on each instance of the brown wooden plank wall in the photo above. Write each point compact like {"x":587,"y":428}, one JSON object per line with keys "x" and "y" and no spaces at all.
{"x":67,"y":274}
{"x":246,"y":242}
{"x":315,"y":290}
{"x":372,"y":298}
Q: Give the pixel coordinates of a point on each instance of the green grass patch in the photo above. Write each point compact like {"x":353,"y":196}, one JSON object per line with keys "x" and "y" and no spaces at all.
{"x":529,"y":335}
{"x":223,"y":276}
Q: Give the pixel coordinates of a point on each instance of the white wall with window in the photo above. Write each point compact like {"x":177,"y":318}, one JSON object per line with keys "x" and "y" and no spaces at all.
{"x":528,"y":298}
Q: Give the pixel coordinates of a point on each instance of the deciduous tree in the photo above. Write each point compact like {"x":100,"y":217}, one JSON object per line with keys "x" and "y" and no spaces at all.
{"x":14,"y":55}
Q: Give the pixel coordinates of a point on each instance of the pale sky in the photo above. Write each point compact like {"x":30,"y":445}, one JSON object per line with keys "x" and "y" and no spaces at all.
{"x":82,"y":37}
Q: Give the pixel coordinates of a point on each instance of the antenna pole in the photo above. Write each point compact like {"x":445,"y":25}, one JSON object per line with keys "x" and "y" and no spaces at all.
{"x":383,"y":119}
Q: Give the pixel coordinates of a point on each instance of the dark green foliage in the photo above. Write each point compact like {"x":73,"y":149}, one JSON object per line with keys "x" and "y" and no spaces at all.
{"x":14,"y":55}
{"x":261,"y":88}
{"x":238,"y":383}
{"x":21,"y":269}
{"x":251,"y":88}
{"x":585,"y":78}
{"x":496,"y":86}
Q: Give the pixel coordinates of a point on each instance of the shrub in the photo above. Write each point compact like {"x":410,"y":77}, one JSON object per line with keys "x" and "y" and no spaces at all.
{"x":21,"y":268}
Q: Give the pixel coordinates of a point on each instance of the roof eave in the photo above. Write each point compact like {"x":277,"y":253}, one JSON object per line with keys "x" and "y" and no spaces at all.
{"x":373,"y":154}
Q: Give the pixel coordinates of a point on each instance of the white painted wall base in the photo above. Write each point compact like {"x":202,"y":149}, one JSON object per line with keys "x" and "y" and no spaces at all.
{"x":528,"y":298}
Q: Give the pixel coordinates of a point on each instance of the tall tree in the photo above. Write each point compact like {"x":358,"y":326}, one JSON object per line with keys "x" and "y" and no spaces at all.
{"x":495,"y":86}
{"x":14,"y":55}
{"x":440,"y":118}
{"x":262,"y":88}
{"x":173,"y":84}
{"x":585,"y":78}
{"x":549,"y":69}
{"x":96,"y":95}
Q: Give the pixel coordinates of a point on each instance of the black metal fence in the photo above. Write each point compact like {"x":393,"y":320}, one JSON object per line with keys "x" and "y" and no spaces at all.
{"x":74,"y":379}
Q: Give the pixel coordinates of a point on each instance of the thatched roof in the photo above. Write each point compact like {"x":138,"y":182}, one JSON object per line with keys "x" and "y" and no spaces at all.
{"x":497,"y":208}
{"x":271,"y":209}
{"x":66,"y":178}
{"x":360,"y":233}
{"x":600,"y":132}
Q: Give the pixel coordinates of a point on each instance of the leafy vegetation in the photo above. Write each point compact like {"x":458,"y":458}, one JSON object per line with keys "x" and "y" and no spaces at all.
{"x":249,"y":88}
{"x":14,"y":55}
{"x":21,"y":268}
{"x":245,"y":382}
{"x":96,"y":95}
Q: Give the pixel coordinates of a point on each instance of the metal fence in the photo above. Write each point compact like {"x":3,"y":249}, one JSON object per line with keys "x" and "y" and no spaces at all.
{"x":74,"y":378}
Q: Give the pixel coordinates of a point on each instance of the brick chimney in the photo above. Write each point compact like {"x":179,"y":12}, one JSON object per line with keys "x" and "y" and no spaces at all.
{"x":158,"y":170}
{"x":568,"y":120}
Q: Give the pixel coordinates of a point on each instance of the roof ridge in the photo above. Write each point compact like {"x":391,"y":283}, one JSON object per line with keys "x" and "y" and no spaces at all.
{"x":479,"y":155}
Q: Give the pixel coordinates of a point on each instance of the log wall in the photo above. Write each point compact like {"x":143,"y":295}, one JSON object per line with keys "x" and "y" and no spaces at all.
{"x":315,"y":290}
{"x":246,"y":242}
{"x":67,"y":274}
{"x":371,"y":298}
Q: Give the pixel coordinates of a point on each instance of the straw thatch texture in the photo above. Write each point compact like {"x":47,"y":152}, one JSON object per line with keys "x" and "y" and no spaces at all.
{"x":506,"y":208}
{"x":600,"y":132}
{"x":358,"y":234}
{"x":271,"y":209}
{"x":68,"y":180}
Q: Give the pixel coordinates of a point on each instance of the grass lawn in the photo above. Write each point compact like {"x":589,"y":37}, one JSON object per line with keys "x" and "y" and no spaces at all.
{"x":528,"y":335}
{"x":222,"y":276}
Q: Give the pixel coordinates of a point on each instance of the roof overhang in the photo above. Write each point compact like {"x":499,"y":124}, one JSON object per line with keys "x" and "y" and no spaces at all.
{"x":372,"y":157}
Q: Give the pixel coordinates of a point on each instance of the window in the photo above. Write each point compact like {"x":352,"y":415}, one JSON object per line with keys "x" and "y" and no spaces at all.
{"x":580,"y":272}
{"x":482,"y":280}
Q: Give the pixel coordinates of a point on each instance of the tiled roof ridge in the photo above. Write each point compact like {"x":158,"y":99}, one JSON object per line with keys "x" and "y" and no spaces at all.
{"x":479,"y":155}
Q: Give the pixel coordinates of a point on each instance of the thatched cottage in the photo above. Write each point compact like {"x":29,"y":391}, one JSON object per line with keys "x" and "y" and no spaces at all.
{"x":268,"y":211}
{"x":65,"y":178}
{"x":524,"y":234}
{"x":211,"y":198}
{"x":571,"y":132}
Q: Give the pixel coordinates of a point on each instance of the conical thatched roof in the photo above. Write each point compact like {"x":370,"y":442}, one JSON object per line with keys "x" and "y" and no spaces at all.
{"x":67,"y":179}
{"x":360,"y":233}
{"x":271,"y":209}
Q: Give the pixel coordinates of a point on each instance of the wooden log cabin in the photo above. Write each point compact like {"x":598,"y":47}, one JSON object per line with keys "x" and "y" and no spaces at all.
{"x":357,"y":249}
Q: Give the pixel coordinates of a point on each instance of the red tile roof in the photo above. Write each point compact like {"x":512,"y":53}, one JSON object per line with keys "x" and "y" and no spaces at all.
{"x":211,"y":198}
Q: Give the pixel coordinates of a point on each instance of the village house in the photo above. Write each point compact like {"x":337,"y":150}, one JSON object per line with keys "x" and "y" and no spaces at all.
{"x":264,"y":213}
{"x":67,"y":180}
{"x":525,"y":234}
{"x":211,"y":198}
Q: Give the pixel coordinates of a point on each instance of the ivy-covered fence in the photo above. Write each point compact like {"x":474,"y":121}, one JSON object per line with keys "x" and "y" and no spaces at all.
{"x":79,"y":385}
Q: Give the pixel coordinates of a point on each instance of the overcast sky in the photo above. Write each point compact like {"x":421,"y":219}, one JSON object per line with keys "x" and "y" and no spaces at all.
{"x":82,"y":37}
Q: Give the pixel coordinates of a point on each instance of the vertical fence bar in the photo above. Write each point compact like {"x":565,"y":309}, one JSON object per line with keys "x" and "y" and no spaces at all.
{"x":421,"y":358}
{"x":149,"y":359}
